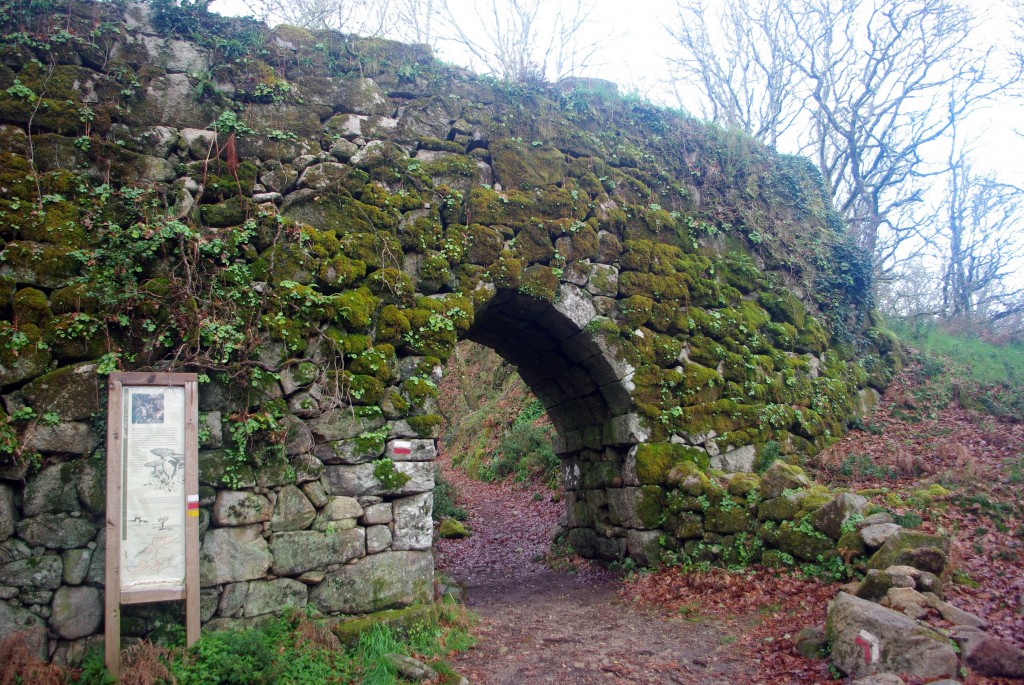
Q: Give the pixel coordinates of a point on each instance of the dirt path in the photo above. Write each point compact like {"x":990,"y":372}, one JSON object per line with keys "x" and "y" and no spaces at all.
{"x":545,"y":626}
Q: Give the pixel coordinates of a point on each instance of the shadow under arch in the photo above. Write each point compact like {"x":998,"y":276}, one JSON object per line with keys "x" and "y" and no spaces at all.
{"x":586,"y":389}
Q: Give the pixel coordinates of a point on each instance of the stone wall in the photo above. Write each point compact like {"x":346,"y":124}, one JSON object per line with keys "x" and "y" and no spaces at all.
{"x":311,"y":221}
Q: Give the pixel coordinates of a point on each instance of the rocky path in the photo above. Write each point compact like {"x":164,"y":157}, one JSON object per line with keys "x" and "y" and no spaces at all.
{"x":540,"y":625}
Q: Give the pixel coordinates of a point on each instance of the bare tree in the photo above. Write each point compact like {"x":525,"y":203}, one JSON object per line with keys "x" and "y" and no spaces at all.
{"x":363,"y":17}
{"x":521,"y":40}
{"x":868,"y":87}
{"x":983,"y":245}
{"x":739,"y":55}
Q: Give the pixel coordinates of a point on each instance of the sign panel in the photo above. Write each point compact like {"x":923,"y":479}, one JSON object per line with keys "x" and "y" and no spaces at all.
{"x":152,"y":531}
{"x":153,"y":488}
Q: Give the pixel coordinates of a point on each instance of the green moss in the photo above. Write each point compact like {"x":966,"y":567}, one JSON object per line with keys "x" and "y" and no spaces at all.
{"x":540,"y":282}
{"x":392,"y":325}
{"x":635,"y":310}
{"x":804,"y":542}
{"x":784,"y":307}
{"x":729,"y":516}
{"x":357,"y":308}
{"x":701,"y":384}
{"x":742,"y":484}
{"x":533,"y":244}
{"x":401,"y":622}
{"x":39,"y":264}
{"x":283,"y":262}
{"x":655,"y":461}
{"x":518,"y":164}
{"x":363,"y":390}
{"x":73,"y":299}
{"x":418,"y":391}
{"x":373,"y":249}
{"x":431,"y":333}
{"x":440,"y":145}
{"x":31,"y":306}
{"x":650,"y":506}
{"x":428,"y":426}
{"x":672,"y":287}
{"x":812,"y":338}
{"x":340,"y":272}
{"x":392,"y":286}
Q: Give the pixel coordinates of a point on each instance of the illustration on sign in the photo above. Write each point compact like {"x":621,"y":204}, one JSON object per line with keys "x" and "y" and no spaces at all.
{"x":153,"y":488}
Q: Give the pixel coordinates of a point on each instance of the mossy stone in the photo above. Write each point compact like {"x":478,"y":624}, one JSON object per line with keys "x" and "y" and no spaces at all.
{"x":804,"y":542}
{"x":356,"y":308}
{"x":401,"y":622}
{"x":39,"y":264}
{"x":518,"y":164}
{"x":452,"y":529}
{"x":533,"y":244}
{"x":733,"y":517}
{"x":650,"y":505}
{"x":31,"y":306}
{"x":427,"y":426}
{"x":485,"y":244}
{"x":742,"y":484}
{"x":540,"y":282}
{"x":392,"y":325}
{"x":655,"y":461}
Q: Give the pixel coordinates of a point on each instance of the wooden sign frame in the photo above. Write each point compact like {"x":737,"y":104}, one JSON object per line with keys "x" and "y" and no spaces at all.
{"x":119,"y":413}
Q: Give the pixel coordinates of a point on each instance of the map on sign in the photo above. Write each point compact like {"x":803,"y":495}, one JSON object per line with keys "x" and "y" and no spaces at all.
{"x":153,"y":488}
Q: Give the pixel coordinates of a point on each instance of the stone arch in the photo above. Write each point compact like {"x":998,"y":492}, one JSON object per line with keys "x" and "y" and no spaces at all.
{"x":586,"y":389}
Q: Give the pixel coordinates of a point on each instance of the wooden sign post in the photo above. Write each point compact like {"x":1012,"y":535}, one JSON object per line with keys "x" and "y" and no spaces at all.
{"x":152,"y":533}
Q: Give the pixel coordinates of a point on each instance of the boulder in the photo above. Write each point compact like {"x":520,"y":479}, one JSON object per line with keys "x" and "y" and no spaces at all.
{"x":343,"y":424}
{"x":831,"y":518}
{"x":880,"y":679}
{"x":911,"y":548}
{"x":16,"y":620}
{"x":452,"y":529}
{"x":811,"y":642}
{"x":413,"y":524}
{"x":56,"y":531}
{"x":645,"y":546}
{"x":297,"y":552}
{"x":293,"y":510}
{"x":357,"y":480}
{"x":780,"y":477}
{"x":411,"y":450}
{"x":868,"y":639}
{"x":876,"y":583}
{"x":338,"y":508}
{"x":231,"y":555}
{"x":64,"y":438}
{"x":378,"y":539}
{"x":377,"y":514}
{"x":380,"y":581}
{"x":874,"y":536}
{"x":76,"y":565}
{"x":232,"y":600}
{"x":33,"y":572}
{"x":266,"y":597}
{"x":76,"y":612}
{"x":958,"y":616}
{"x":409,"y":668}
{"x":72,"y":392}
{"x":240,"y":508}
{"x":988,"y":655}
{"x":53,"y":490}
{"x":739,"y":460}
{"x":8,"y":515}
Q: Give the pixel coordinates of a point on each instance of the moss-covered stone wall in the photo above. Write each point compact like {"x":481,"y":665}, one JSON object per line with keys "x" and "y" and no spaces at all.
{"x":311,"y":221}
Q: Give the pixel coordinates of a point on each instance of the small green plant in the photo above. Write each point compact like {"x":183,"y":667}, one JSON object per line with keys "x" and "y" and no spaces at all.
{"x":390,"y":478}
{"x":445,"y":495}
